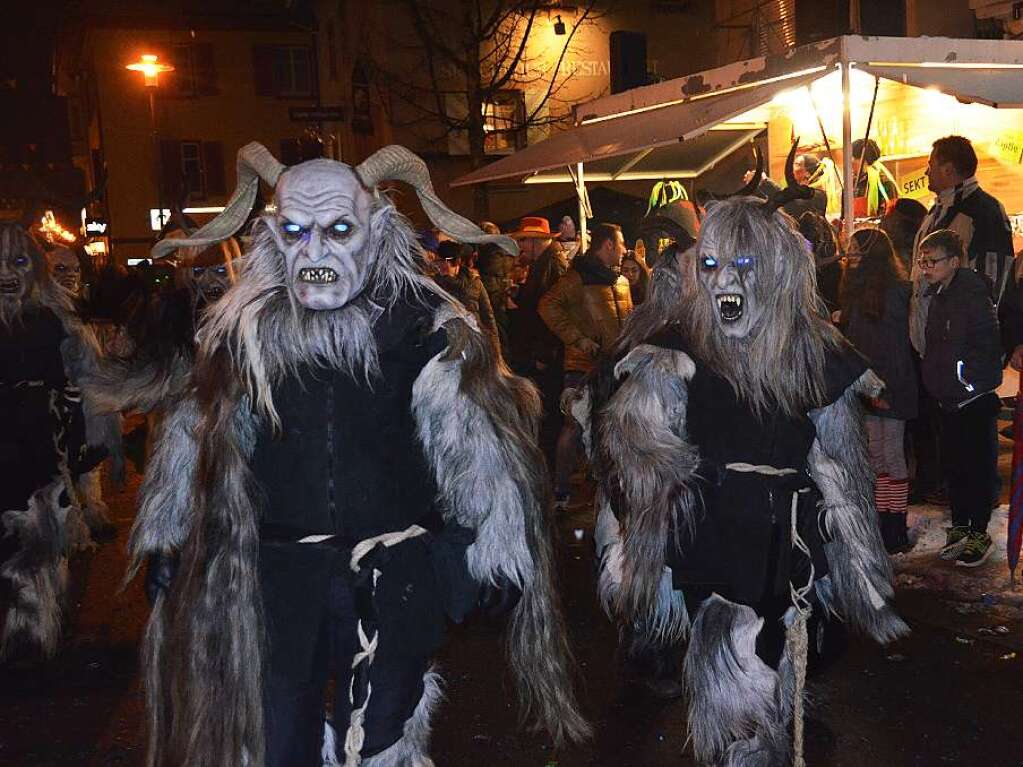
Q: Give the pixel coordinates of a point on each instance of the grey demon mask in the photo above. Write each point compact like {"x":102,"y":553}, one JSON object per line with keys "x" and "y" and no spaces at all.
{"x":65,"y":269}
{"x":21,"y":271}
{"x":322,"y":227}
{"x":747,"y":253}
{"x":322,"y":224}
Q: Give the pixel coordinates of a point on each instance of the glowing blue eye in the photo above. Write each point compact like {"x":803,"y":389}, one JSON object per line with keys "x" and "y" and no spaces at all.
{"x":744,"y":261}
{"x":291,"y":228}
{"x":707,"y":262}
{"x":197,"y":270}
{"x":221,"y":270}
{"x":341,"y":227}
{"x":20,"y":260}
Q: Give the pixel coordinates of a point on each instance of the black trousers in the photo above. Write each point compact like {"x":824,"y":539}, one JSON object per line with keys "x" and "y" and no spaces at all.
{"x":969,"y":452}
{"x":312,"y":607}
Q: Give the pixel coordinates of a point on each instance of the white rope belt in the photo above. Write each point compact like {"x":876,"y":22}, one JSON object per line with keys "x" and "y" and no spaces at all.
{"x":356,"y":735}
{"x":796,"y":639}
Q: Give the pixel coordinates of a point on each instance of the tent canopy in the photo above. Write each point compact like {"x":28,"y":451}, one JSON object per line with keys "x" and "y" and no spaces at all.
{"x":681,"y":128}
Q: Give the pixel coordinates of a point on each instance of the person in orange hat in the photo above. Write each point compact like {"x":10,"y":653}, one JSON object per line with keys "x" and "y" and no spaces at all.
{"x":536,"y":351}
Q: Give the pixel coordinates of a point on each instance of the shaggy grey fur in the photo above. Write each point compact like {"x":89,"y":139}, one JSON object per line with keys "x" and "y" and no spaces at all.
{"x":259,"y":323}
{"x":413,"y":750}
{"x":166,"y":505}
{"x":739,"y":708}
{"x":669,"y":618}
{"x":651,"y":464}
{"x":859,"y":587}
{"x":780,"y":364}
{"x":117,"y":386}
{"x":478,"y":425}
{"x":37,"y":573}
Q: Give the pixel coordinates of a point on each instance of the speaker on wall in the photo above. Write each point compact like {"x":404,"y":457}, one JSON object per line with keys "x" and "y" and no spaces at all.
{"x":628,"y":60}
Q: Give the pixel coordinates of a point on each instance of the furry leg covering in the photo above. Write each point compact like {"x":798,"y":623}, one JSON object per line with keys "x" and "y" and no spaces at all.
{"x":413,"y":748}
{"x":740,"y":709}
{"x":37,"y":573}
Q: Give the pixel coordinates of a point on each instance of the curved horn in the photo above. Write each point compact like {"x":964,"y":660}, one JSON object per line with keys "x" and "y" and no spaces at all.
{"x":794,"y":190}
{"x":399,"y":164}
{"x":758,"y":176}
{"x":790,"y":174}
{"x":254,"y":163}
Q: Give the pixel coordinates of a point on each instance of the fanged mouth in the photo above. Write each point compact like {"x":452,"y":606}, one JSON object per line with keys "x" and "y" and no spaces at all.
{"x":318,"y":276}
{"x":10,"y":287}
{"x":729,"y":306}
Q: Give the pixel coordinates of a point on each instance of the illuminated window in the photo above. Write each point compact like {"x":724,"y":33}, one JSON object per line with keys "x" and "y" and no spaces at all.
{"x":503,"y":120}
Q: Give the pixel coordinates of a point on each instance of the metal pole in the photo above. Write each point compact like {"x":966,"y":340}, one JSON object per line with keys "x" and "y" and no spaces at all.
{"x":580,"y":192}
{"x":848,"y":186}
{"x":156,"y":154}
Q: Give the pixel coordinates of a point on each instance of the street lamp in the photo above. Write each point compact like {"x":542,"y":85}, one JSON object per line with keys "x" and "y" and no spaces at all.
{"x":151,"y":68}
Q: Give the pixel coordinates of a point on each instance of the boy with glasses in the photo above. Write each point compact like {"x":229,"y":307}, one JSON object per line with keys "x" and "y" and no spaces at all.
{"x":962,"y":368}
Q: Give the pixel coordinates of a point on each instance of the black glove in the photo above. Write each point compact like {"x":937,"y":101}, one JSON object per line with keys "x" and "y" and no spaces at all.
{"x":498,"y":601}
{"x":159,"y":574}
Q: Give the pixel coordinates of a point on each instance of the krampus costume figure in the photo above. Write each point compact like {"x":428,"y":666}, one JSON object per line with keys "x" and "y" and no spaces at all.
{"x":350,"y":462}
{"x":65,"y":269}
{"x":736,"y":501}
{"x":44,"y":443}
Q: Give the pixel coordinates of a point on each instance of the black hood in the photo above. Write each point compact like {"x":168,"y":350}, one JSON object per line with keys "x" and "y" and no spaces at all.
{"x":593,"y":271}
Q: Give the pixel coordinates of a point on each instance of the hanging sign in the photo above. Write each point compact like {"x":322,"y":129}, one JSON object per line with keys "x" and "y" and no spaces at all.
{"x":1008,"y":147}
{"x":914,"y":184}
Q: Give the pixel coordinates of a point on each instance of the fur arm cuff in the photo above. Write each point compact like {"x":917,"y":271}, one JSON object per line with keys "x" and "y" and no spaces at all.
{"x":860,"y":583}
{"x":649,"y":465}
{"x":165,"y":497}
{"x":477,"y":423}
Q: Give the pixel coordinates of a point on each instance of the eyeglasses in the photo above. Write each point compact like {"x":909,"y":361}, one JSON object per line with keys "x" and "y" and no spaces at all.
{"x":930,"y":263}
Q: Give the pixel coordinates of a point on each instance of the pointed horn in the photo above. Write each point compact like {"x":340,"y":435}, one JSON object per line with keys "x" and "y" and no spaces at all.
{"x":794,"y":190}
{"x":254,"y":163}
{"x":399,"y":164}
{"x":790,"y":174}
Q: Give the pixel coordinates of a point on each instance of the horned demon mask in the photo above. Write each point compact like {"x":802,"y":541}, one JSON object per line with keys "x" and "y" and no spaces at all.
{"x":323,"y":223}
{"x":65,"y":269}
{"x":22,"y":271}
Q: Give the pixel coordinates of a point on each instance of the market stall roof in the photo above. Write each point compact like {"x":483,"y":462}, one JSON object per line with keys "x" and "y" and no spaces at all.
{"x":625,"y":135}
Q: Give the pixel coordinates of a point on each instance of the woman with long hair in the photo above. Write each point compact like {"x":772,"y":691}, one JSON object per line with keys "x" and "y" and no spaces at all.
{"x":874,"y":296}
{"x":635,"y":270}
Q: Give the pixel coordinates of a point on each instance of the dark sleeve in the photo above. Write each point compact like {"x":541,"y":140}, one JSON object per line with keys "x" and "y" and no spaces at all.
{"x":983,"y":351}
{"x":1010,"y":316}
{"x":843,"y":365}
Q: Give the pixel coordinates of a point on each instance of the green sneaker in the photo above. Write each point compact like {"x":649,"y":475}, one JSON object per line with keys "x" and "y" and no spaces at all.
{"x":955,"y":541}
{"x":976,"y":551}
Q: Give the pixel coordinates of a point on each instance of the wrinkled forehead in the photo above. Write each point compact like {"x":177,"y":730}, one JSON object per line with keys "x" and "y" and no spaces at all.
{"x":63,"y":256}
{"x":13,"y":242}
{"x":322,"y":190}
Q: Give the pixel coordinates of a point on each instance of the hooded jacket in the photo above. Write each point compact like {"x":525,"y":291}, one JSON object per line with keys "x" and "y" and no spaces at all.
{"x":963,"y":357}
{"x":589,"y":301}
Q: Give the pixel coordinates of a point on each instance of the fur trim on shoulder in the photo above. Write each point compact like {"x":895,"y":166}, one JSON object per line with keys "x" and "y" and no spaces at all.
{"x":37,"y":573}
{"x":860,"y":585}
{"x":650,"y":464}
{"x":478,"y":424}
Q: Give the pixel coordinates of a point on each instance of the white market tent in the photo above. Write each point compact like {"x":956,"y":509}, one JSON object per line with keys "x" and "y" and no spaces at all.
{"x":922,"y":88}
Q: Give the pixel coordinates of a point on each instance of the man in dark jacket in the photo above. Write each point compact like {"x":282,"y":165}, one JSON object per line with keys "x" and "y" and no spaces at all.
{"x":455,"y":276}
{"x":962,"y":368}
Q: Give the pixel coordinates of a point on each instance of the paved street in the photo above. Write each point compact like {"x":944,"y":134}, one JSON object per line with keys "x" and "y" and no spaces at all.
{"x":944,"y":696}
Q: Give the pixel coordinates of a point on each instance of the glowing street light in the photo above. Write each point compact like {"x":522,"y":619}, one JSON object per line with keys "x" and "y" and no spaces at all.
{"x":151,"y":68}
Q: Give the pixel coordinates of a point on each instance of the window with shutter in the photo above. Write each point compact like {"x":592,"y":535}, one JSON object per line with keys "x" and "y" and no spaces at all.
{"x":171,"y":185}
{"x":193,"y":173}
{"x":194,"y":70}
{"x":213,"y":165}
{"x":284,"y":71}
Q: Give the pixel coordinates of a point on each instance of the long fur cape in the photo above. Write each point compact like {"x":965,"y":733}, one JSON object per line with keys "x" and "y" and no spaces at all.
{"x":204,"y":644}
